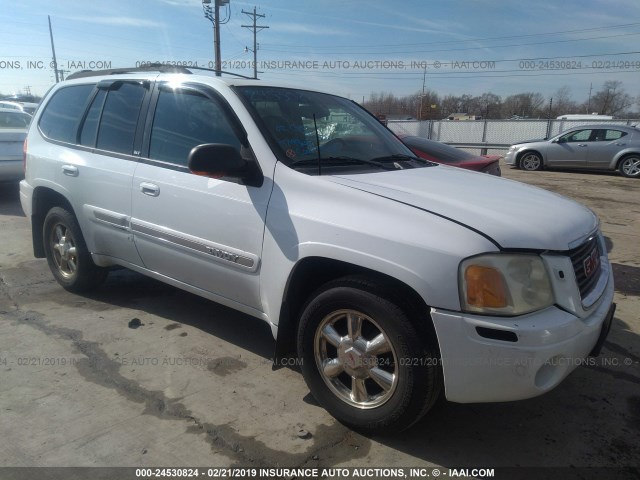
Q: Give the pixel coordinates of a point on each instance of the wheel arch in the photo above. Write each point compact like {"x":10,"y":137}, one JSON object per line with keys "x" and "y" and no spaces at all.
{"x":530,"y":150}
{"x":622,"y":156}
{"x":44,"y":199}
{"x":310,"y":273}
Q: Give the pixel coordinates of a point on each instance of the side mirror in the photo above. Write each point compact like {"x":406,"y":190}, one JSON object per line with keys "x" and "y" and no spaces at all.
{"x":560,"y":140}
{"x":219,"y":160}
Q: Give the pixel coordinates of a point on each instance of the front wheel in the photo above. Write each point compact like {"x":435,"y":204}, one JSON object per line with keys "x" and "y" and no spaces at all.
{"x":363,"y":359}
{"x":530,"y":161}
{"x":67,"y":254}
{"x":630,"y":166}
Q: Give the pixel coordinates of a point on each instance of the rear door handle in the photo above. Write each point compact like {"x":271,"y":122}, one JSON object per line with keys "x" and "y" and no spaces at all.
{"x":582,"y":145}
{"x":620,"y":144}
{"x":70,"y":170}
{"x":150,"y":189}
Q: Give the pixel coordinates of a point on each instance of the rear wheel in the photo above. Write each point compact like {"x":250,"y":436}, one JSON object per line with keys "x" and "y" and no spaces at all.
{"x":363,"y":359}
{"x":630,"y":166}
{"x":530,"y":161}
{"x":67,"y":254}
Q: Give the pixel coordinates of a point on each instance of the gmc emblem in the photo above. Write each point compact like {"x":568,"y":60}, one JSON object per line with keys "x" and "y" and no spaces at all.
{"x":591,"y":263}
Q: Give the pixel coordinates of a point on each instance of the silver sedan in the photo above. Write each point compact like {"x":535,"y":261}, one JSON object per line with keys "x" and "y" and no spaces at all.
{"x":604,"y":147}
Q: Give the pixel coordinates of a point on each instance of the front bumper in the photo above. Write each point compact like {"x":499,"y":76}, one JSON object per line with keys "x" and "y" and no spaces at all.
{"x":543,"y":348}
{"x":510,"y":157}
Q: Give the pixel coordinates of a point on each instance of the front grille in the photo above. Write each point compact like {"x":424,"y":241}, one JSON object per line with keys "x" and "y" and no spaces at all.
{"x":578,"y":257}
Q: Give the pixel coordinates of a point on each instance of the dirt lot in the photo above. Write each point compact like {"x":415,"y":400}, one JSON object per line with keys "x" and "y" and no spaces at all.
{"x":142,"y":374}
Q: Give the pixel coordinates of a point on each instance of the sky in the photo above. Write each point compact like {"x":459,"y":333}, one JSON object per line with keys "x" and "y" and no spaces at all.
{"x":350,"y":48}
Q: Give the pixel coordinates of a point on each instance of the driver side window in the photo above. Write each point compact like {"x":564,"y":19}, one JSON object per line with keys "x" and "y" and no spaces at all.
{"x":579,"y":136}
{"x":183,"y":120}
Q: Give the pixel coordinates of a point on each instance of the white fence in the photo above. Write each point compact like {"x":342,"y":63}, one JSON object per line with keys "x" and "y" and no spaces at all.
{"x":490,"y":136}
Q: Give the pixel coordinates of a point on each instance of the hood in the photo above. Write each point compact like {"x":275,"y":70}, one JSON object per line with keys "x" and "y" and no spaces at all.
{"x":514,"y":215}
{"x":535,"y":140}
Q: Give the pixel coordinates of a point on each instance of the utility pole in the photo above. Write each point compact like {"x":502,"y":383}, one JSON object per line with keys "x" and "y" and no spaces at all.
{"x":53,"y":50}
{"x":214,"y":17}
{"x":424,"y":79}
{"x":256,"y":29}
{"x":549,"y":118}
{"x":589,"y":102}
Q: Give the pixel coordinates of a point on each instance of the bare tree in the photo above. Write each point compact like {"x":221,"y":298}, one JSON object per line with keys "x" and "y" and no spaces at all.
{"x":525,"y":105}
{"x":562,"y":102}
{"x":612,"y":99}
{"x":489,"y":105}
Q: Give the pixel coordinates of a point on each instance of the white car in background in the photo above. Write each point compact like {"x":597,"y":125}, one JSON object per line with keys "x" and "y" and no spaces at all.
{"x":13,"y":130}
{"x":7,"y":105}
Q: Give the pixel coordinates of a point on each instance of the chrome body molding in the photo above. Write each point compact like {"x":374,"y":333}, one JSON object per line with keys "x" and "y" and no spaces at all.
{"x":107,"y":217}
{"x":219,"y":253}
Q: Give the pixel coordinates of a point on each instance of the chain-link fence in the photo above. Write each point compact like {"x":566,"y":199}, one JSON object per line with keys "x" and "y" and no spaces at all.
{"x":490,"y":136}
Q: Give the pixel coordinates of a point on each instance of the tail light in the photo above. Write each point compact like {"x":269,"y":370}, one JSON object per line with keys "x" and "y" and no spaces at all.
{"x":24,"y":157}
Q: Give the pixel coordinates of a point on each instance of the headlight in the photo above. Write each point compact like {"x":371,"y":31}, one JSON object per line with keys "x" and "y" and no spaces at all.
{"x":504,"y":284}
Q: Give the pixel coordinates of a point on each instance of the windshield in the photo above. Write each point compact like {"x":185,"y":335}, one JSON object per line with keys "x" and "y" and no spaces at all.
{"x":309,"y":129}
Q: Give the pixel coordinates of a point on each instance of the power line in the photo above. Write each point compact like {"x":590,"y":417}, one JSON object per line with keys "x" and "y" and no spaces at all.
{"x":445,"y":42}
{"x":463,"y":49}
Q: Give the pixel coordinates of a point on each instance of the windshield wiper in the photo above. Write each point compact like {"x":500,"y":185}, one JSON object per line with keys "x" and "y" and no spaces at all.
{"x":313,"y":161}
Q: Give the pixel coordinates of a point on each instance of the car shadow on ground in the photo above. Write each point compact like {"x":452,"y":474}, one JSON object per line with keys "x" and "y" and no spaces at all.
{"x":10,"y":199}
{"x":128,"y":289}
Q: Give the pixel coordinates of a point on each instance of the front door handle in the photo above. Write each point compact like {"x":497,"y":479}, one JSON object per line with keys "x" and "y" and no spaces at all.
{"x":582,"y":145}
{"x":150,"y":189}
{"x":620,"y":144}
{"x":70,"y":170}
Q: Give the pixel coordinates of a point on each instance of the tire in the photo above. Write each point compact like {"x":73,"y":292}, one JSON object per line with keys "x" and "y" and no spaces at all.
{"x":530,"y":161}
{"x":371,"y":386}
{"x":630,"y":166}
{"x":67,"y":254}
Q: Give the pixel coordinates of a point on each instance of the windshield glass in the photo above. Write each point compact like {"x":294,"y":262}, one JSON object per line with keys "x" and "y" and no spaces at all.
{"x":309,"y":128}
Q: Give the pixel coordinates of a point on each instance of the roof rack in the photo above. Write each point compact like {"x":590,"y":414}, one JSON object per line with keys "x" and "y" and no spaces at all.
{"x":152,"y":67}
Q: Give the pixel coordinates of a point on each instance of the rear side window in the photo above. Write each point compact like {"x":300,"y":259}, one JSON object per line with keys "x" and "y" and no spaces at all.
{"x":184,"y":119}
{"x":614,"y":134}
{"x":62,"y":114}
{"x":119,"y":117}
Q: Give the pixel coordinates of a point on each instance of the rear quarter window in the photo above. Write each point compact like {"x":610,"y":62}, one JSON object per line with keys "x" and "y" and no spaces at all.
{"x":119,"y":117}
{"x":63,"y":113}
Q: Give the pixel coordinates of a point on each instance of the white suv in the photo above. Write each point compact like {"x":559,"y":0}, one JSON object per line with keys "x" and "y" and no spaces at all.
{"x":394,"y":278}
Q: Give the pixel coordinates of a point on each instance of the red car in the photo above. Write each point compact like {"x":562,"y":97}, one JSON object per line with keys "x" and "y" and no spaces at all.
{"x":448,"y":155}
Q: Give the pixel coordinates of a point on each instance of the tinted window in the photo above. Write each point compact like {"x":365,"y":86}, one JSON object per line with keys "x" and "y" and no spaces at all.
{"x":579,"y":136}
{"x":614,"y":134}
{"x":183,"y":120}
{"x":63,"y":113}
{"x":119,"y":118}
{"x":90,"y":126}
